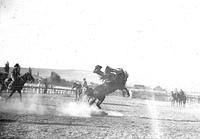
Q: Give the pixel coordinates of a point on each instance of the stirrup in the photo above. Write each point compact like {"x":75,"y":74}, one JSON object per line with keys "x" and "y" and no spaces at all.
{"x":9,"y":87}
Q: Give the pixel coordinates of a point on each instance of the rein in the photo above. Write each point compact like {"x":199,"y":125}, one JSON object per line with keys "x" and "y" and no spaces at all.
{"x":21,"y":78}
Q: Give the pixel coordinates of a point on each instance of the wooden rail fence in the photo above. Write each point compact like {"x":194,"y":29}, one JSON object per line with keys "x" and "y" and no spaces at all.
{"x":41,"y":90}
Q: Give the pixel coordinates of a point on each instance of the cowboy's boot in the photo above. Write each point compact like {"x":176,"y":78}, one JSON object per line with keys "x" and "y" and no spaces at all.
{"x":10,"y":85}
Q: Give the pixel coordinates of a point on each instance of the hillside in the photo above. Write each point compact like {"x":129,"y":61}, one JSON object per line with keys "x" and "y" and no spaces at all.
{"x":68,"y":74}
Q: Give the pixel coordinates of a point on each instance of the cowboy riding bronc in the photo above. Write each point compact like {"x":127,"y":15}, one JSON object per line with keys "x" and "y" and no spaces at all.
{"x":114,"y":79}
{"x":109,"y":75}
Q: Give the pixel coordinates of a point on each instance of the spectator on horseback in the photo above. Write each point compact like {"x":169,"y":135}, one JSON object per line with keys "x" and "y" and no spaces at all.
{"x":182,"y":93}
{"x":84,"y":86}
{"x":6,"y":68}
{"x":176,"y":91}
{"x":85,"y":83}
{"x":15,"y":75}
{"x":4,"y":75}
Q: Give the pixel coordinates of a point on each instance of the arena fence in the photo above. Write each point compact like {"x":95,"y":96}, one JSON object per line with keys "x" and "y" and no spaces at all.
{"x":135,"y":93}
{"x":38,"y":89}
{"x":160,"y":95}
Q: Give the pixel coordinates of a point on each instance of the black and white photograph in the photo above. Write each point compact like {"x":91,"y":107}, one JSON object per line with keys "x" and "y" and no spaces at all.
{"x":99,"y":69}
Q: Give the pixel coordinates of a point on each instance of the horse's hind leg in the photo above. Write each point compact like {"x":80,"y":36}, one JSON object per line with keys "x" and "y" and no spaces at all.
{"x":1,"y":89}
{"x":13,"y":91}
{"x":126,"y":92}
{"x":100,"y":101}
{"x":79,"y":96}
{"x":172,"y":103}
{"x":89,"y":97}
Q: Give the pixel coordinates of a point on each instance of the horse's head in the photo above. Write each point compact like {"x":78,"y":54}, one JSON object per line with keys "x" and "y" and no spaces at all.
{"x":28,"y":76}
{"x":74,"y":85}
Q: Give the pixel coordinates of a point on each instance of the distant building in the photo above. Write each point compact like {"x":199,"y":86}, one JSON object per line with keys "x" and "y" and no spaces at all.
{"x":159,"y":88}
{"x":136,"y":86}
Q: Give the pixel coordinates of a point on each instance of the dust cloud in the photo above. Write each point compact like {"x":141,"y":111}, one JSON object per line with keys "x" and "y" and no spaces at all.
{"x":35,"y":104}
{"x":82,"y":109}
{"x":30,"y":104}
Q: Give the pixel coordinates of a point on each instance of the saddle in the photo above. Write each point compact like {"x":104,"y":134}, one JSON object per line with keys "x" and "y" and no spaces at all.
{"x":16,"y":82}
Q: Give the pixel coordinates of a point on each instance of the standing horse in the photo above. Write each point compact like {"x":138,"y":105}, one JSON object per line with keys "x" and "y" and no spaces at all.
{"x":178,"y":98}
{"x":104,"y":89}
{"x":182,"y":98}
{"x":78,"y":90}
{"x":3,"y":77}
{"x":174,"y":99}
{"x":19,"y":84}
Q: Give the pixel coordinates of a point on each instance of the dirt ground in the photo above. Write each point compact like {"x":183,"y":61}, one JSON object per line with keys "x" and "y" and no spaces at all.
{"x":49,"y":116}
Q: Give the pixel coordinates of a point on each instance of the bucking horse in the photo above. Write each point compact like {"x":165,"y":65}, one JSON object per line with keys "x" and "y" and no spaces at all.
{"x":18,"y":85}
{"x":113,"y":80}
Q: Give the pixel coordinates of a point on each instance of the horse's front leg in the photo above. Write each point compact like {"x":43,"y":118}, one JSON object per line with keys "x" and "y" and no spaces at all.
{"x":79,"y":95}
{"x":172,"y":103}
{"x":20,"y":93}
{"x":92,"y":101}
{"x":2,"y":87}
{"x":76,"y":95}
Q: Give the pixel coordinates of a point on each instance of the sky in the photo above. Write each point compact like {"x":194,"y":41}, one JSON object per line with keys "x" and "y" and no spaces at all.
{"x":156,"y":42}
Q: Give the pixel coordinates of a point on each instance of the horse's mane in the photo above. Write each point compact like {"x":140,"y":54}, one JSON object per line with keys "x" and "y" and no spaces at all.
{"x":25,"y":74}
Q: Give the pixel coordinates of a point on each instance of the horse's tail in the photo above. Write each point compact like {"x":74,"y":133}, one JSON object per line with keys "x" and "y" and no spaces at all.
{"x":125,"y":76}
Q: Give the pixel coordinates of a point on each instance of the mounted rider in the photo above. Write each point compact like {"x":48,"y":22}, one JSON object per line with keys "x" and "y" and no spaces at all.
{"x":6,"y":68}
{"x":182,"y":93}
{"x":85,"y":85}
{"x":15,"y":75}
{"x":4,"y":75}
